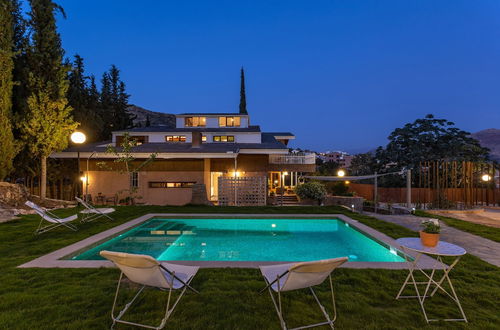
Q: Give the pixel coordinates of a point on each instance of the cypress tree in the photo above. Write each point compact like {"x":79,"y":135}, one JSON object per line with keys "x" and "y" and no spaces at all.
{"x":8,"y":147}
{"x":48,"y":123}
{"x":243,"y":99}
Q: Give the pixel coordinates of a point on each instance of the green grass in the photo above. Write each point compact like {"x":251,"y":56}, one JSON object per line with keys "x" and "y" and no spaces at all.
{"x":488,"y":232}
{"x":229,"y":298}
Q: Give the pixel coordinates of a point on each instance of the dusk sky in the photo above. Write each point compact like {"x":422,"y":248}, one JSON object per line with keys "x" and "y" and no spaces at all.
{"x":341,"y":75}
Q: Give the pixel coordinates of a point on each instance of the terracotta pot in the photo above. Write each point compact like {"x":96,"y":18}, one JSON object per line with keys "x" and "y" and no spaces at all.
{"x":429,"y":240}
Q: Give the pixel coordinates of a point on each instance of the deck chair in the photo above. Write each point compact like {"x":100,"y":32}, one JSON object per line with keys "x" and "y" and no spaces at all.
{"x":54,"y":220}
{"x":148,"y":272}
{"x":91,"y":213}
{"x":302,"y":275}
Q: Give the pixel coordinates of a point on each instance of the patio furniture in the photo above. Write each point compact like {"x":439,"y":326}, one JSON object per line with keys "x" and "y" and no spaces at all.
{"x":113,"y":200}
{"x":148,"y":272}
{"x":302,"y":275}
{"x":100,"y":199}
{"x":443,"y":249}
{"x":54,"y":220}
{"x":91,"y":213}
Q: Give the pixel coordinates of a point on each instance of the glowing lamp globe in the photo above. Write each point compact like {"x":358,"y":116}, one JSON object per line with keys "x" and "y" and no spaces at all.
{"x":486,"y":177}
{"x":341,"y":173}
{"x":78,"y":137}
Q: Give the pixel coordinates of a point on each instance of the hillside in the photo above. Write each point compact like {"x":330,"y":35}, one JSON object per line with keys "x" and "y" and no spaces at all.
{"x":490,"y":138}
{"x":155,"y":118}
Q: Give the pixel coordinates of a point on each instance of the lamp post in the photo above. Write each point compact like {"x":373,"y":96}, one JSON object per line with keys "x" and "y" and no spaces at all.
{"x":78,"y":138}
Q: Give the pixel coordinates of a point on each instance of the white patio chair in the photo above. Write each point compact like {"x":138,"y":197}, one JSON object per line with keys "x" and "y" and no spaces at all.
{"x":303,"y":275}
{"x":91,"y":213}
{"x":148,"y":272}
{"x":54,"y":220}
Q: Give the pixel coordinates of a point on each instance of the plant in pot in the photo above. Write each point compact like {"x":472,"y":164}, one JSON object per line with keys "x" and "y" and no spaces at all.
{"x":429,"y":235}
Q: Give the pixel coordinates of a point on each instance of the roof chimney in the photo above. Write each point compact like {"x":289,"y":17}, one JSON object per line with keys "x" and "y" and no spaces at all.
{"x":196,"y":140}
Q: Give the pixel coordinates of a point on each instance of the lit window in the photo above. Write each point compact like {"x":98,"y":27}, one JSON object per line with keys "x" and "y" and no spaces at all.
{"x":175,"y":138}
{"x":195,"y":121}
{"x":204,"y":138}
{"x":229,"y":121}
{"x":171,"y":184}
{"x":223,"y":138}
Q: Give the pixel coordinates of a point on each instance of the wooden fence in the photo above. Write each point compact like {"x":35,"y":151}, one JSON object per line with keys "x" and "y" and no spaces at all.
{"x":242,"y":191}
{"x":459,"y":196}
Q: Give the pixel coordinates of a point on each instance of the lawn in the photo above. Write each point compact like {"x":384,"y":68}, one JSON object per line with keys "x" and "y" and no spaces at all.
{"x":488,"y":232}
{"x":229,"y":298}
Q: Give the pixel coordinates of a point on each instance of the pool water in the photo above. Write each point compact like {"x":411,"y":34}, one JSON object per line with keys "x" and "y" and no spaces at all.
{"x":246,"y":240}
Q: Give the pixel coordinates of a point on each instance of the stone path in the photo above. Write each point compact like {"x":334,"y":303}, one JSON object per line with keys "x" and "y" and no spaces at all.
{"x":478,"y":246}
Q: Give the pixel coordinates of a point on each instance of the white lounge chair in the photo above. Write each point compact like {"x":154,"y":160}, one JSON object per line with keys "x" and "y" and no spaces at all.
{"x":91,"y":213}
{"x":148,"y":272}
{"x":54,"y":220}
{"x":303,"y":275}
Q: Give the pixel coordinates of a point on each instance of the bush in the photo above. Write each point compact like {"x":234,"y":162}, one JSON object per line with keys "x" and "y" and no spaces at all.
{"x":311,"y":190}
{"x":339,"y":188}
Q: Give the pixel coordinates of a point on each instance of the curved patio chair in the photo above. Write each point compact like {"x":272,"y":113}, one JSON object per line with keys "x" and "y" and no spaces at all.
{"x":91,"y":213}
{"x":302,"y":275}
{"x":149,"y":272}
{"x":54,"y":220}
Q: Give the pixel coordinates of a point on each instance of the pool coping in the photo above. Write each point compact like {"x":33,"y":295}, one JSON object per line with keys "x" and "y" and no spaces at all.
{"x":54,"y":259}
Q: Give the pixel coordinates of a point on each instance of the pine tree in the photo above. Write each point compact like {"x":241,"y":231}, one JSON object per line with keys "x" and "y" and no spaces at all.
{"x":114,"y":102}
{"x":48,"y":123}
{"x":8,"y":148}
{"x":243,"y":99}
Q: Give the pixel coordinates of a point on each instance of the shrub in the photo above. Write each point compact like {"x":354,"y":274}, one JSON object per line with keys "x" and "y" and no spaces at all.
{"x":339,"y":188}
{"x":311,"y":190}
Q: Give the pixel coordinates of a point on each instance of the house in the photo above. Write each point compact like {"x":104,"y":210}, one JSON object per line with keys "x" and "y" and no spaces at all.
{"x":342,"y":158}
{"x":220,"y":154}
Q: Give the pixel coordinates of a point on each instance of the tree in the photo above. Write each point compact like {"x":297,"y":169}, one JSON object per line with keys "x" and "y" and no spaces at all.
{"x":429,"y":139}
{"x":125,"y":163}
{"x":8,"y":148}
{"x":47,"y":124}
{"x":114,"y":103}
{"x":84,"y":100}
{"x":243,"y":98}
{"x":362,"y":164}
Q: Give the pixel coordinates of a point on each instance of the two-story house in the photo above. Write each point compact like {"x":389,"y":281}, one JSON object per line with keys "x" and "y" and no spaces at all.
{"x":234,"y":162}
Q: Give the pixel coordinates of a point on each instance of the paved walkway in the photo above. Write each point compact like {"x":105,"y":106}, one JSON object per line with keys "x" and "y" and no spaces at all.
{"x":483,"y":248}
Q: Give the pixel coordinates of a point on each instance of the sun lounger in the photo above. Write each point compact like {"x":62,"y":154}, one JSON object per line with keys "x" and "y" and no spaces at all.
{"x":53,"y":219}
{"x":148,"y":272}
{"x":302,"y":275}
{"x":91,"y":213}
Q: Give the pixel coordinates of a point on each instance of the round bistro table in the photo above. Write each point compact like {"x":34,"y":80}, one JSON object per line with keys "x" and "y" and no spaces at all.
{"x":443,"y":249}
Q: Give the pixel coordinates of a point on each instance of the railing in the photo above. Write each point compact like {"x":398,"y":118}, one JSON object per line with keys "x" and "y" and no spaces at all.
{"x":302,"y":158}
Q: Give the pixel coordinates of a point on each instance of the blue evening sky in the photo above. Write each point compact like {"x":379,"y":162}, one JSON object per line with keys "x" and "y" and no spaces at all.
{"x":339,"y":74}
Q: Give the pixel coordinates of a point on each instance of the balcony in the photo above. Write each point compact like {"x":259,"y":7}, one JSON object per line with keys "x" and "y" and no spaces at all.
{"x":296,"y":159}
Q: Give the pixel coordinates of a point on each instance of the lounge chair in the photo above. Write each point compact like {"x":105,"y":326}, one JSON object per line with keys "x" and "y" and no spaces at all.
{"x":54,"y":220}
{"x":148,"y":272}
{"x":91,"y":213}
{"x":303,"y":275}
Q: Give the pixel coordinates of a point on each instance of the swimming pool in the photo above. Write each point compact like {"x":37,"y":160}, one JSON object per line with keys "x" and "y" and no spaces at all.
{"x":247,"y":240}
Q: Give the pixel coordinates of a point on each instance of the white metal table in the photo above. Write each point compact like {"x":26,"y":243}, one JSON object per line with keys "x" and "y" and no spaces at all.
{"x":443,"y":249}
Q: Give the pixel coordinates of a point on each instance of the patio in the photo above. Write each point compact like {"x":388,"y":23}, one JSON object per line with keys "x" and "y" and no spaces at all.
{"x":81,"y":298}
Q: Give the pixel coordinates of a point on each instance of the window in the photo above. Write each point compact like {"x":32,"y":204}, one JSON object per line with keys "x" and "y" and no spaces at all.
{"x":175,"y":138}
{"x":195,"y":121}
{"x":223,"y":138}
{"x":138,"y":139}
{"x":170,"y":184}
{"x":134,"y":180}
{"x":204,"y":138}
{"x":229,"y":121}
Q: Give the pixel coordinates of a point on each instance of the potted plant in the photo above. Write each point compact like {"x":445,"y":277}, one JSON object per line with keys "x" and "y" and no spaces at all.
{"x":429,"y":235}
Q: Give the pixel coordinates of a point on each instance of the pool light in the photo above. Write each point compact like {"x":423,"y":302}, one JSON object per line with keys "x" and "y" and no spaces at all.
{"x":273,"y":225}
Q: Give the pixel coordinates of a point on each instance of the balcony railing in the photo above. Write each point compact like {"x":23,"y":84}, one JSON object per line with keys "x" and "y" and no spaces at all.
{"x":301,"y":159}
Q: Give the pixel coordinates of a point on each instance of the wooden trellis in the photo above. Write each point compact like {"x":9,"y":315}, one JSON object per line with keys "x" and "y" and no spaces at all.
{"x":242,"y":191}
